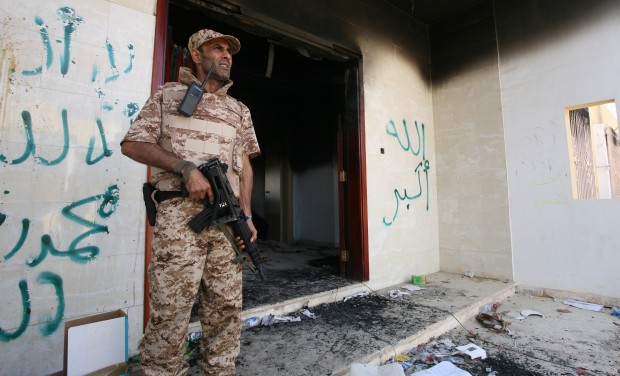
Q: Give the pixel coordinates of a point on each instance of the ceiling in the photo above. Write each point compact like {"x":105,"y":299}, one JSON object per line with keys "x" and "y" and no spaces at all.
{"x":432,"y":11}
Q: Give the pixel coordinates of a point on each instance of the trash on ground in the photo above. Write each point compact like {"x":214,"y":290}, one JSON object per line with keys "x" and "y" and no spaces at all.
{"x":190,"y":347}
{"x":269,"y":320}
{"x":583,"y":305}
{"x":411,"y":287}
{"x":529,"y":312}
{"x":493,"y":321}
{"x":356,"y":295}
{"x":250,"y":322}
{"x":444,"y":368}
{"x":423,"y":357}
{"x":514,"y":315}
{"x":194,"y":336}
{"x":418,"y":279}
{"x":389,"y":369}
{"x":469,"y":274}
{"x":615,"y":311}
{"x":491,"y":307}
{"x":397,"y":293}
{"x":474,"y":351}
{"x":307,"y":313}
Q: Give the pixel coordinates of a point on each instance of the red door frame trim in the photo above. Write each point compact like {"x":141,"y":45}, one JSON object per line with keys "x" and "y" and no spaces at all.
{"x":157,"y":79}
{"x":364,"y":265}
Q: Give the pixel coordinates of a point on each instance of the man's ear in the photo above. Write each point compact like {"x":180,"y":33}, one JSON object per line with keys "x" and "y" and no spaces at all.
{"x":196,"y":55}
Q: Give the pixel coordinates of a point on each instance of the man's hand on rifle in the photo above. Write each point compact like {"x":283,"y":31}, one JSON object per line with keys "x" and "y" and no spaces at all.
{"x":253,"y":230}
{"x":252,"y":239}
{"x":239,"y":243}
{"x":198,"y":186}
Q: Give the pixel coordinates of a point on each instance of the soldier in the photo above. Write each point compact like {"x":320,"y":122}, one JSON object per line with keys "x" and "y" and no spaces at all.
{"x":185,"y":264}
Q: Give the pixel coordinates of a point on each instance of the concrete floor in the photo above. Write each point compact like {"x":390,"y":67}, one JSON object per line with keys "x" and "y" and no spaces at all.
{"x":373,"y":327}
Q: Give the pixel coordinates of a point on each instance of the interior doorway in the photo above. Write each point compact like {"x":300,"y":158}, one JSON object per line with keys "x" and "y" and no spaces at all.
{"x":309,"y":193}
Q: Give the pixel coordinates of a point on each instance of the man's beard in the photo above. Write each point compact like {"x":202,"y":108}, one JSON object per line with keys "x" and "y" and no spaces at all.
{"x":218,"y":74}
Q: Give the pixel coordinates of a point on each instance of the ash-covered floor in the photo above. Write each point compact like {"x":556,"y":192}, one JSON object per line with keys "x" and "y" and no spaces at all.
{"x":292,"y":271}
{"x":418,"y":328}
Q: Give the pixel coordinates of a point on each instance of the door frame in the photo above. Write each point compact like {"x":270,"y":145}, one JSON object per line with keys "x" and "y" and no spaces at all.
{"x":353,"y":199}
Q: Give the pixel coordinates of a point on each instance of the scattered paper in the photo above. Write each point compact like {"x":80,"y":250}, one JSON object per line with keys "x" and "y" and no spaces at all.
{"x":398,"y":293}
{"x":356,"y":295}
{"x":583,"y":305}
{"x":271,"y":319}
{"x":411,"y":287}
{"x":390,"y":369}
{"x":473,"y":350}
{"x":447,"y":342}
{"x":444,"y":368}
{"x":307,"y":313}
{"x":286,"y":319}
{"x":529,"y":312}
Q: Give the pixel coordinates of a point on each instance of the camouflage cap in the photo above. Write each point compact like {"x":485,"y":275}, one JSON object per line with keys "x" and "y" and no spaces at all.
{"x":205,"y":35}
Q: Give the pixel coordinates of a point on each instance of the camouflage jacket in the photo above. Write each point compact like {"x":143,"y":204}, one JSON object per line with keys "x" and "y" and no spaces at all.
{"x":221,"y":126}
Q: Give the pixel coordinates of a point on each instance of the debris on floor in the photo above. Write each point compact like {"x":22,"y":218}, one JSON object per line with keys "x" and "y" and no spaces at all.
{"x":438,"y":357}
{"x":342,"y":333}
{"x":528,"y":312}
{"x":398,"y":293}
{"x":411,"y":287}
{"x":473,"y":351}
{"x":191,"y":347}
{"x":444,"y":368}
{"x":270,"y":319}
{"x":359,"y":294}
{"x":583,"y":305}
{"x":404,"y":290}
{"x":489,"y":318}
{"x":390,"y":369}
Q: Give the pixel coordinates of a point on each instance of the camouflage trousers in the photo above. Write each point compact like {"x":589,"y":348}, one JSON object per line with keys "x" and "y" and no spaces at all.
{"x":185,"y":265}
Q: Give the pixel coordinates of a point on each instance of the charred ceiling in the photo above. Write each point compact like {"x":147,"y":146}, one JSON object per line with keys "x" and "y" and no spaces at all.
{"x":432,"y":11}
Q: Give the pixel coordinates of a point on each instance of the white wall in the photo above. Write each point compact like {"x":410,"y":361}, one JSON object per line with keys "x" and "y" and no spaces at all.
{"x":555,"y":54}
{"x":474,"y":222}
{"x":65,"y":180}
{"x":402,"y":192}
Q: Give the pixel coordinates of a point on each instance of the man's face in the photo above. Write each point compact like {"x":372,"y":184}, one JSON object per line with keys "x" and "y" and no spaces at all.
{"x":216,"y":51}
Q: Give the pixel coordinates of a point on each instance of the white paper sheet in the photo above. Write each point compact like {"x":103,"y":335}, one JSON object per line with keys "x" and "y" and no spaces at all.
{"x":390,"y":369}
{"x":444,"y":368}
{"x":583,"y":305}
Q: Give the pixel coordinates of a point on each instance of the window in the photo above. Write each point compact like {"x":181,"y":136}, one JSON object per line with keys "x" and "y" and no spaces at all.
{"x":594,"y":150}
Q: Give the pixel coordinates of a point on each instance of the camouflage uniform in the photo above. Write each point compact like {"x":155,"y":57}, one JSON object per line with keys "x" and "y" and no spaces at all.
{"x":184,"y":263}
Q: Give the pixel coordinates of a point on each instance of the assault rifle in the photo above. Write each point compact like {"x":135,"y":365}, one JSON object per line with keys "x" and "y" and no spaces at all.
{"x":225,"y":210}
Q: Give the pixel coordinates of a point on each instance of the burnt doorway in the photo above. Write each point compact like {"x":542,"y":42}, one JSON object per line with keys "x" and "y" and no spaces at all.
{"x":305,"y":107}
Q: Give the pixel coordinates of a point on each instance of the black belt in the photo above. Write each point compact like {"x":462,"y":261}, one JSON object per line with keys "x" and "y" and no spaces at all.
{"x":160,"y":196}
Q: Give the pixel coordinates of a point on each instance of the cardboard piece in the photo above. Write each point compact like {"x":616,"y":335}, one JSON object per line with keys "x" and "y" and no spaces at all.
{"x":97,"y":345}
{"x":474,"y":351}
